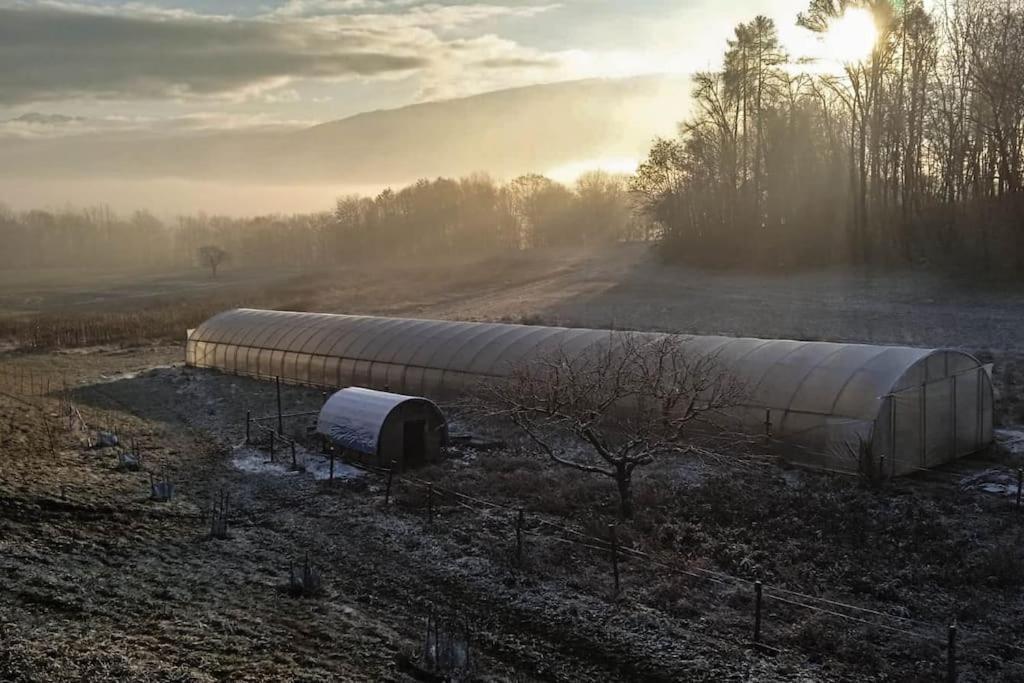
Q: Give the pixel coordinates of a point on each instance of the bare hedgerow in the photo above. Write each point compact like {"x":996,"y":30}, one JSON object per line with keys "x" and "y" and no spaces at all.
{"x":620,"y":405}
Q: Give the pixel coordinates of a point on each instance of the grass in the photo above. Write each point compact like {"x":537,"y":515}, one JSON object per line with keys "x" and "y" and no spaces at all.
{"x":49,"y":332}
{"x":162,"y":321}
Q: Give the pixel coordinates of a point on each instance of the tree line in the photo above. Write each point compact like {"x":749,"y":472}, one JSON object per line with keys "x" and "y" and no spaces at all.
{"x":468,"y":216}
{"x":911,"y":154}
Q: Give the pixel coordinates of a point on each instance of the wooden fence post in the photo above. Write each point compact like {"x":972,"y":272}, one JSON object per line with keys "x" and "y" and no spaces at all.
{"x":757,"y":611}
{"x":295,"y":465}
{"x":615,"y":555}
{"x":248,"y":427}
{"x":332,"y":465}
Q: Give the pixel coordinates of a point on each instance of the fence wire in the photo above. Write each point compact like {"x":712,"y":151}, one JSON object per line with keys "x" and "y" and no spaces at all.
{"x":23,"y":385}
{"x":924,"y":632}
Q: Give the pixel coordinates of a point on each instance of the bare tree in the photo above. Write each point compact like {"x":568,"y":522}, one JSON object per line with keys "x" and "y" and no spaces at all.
{"x":618,"y":406}
{"x":212,"y":257}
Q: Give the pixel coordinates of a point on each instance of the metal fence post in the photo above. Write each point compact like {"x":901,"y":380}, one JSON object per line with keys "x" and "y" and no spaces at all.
{"x":615,"y":555}
{"x":248,"y":427}
{"x":387,"y":489}
{"x":951,"y":655}
{"x":757,"y":611}
{"x":271,"y":446}
{"x":520,"y":519}
{"x":280,"y":421}
{"x":430,"y":503}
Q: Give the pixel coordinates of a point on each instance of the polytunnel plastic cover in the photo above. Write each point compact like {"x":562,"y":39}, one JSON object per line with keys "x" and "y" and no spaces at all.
{"x":824,"y":396}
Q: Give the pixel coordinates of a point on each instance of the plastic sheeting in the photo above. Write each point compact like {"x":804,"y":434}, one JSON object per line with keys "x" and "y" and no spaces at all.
{"x":824,"y":400}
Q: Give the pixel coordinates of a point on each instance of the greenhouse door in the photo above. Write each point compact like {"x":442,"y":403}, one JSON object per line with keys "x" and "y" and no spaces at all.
{"x":937,"y":422}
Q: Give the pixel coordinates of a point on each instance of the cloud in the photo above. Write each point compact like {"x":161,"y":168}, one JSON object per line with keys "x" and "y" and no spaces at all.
{"x":298,"y":8}
{"x":41,"y":126}
{"x":412,"y":12}
{"x":54,"y":51}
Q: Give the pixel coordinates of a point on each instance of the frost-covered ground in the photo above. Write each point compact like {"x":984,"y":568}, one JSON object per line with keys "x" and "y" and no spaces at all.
{"x":924,"y":549}
{"x":103,"y":584}
{"x":1011,"y":440}
{"x":257,"y":461}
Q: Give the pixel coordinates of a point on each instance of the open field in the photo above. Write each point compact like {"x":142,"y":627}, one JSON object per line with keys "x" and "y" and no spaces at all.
{"x":103,"y":583}
{"x":624,"y":287}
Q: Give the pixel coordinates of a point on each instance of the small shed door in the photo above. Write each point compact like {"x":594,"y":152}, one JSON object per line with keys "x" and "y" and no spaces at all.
{"x":414,"y":442}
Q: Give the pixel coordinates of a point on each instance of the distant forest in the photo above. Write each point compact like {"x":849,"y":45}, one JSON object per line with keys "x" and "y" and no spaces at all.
{"x":441,"y":218}
{"x":913,"y":155}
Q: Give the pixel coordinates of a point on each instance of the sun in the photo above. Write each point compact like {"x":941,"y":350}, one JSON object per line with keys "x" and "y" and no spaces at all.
{"x":851,"y":37}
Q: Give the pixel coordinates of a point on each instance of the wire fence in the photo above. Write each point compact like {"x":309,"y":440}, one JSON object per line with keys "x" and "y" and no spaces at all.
{"x":522,"y":525}
{"x":46,"y":394}
{"x":948,"y":636}
{"x":29,"y":387}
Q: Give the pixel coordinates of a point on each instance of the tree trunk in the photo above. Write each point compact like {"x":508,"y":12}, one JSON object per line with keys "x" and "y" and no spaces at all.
{"x":624,"y":480}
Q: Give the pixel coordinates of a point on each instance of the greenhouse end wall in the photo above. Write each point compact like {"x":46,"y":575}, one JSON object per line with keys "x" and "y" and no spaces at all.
{"x":824,"y":404}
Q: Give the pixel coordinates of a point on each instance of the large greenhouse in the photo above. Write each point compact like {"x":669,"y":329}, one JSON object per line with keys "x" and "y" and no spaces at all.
{"x":822,"y":401}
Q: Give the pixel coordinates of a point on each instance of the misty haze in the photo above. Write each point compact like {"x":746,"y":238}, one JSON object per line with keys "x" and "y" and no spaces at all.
{"x":569,"y":340}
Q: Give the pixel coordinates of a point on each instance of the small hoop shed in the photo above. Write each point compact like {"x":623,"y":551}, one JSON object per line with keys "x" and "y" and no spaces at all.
{"x":384,"y":428}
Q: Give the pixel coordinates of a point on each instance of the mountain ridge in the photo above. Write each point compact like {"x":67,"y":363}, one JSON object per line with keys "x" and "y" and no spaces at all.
{"x":505,"y":132}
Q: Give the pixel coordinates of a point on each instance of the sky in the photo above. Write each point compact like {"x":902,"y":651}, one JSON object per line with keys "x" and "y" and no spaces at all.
{"x":198,"y":64}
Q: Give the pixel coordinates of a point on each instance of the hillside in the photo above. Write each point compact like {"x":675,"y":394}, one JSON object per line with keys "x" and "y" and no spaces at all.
{"x":505,"y":133}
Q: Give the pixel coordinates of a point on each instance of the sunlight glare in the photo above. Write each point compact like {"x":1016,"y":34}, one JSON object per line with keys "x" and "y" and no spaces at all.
{"x":852,"y":37}
{"x":571,"y":172}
